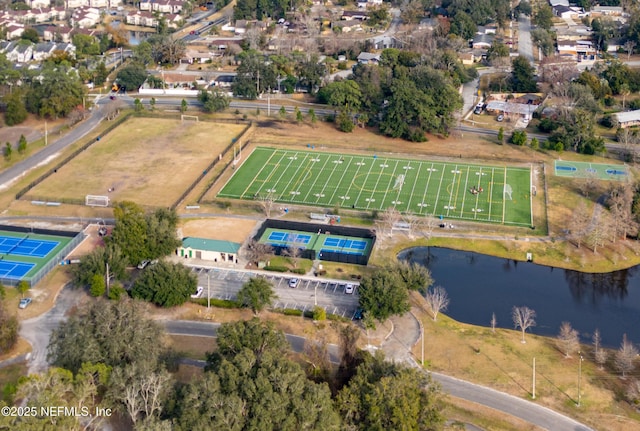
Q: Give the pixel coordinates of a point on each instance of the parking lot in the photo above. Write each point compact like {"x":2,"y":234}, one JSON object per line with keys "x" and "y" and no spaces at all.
{"x":310,"y":291}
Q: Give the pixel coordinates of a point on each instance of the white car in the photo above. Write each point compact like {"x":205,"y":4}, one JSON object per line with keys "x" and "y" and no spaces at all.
{"x":24,"y":302}
{"x":143,"y":264}
{"x":349,"y":289}
{"x":294,"y":282}
{"x":198,"y":292}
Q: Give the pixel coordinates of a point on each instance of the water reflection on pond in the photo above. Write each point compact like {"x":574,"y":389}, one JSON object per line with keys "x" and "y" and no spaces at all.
{"x":480,"y":285}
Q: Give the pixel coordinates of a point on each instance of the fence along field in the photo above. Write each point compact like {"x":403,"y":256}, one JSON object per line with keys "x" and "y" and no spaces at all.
{"x":452,"y":190}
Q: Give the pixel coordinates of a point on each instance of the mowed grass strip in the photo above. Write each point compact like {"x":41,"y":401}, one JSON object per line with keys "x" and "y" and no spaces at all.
{"x":146,"y":160}
{"x":365,"y":182}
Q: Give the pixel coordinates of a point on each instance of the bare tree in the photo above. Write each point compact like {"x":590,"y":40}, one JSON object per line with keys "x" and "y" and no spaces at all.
{"x":628,"y":138}
{"x":390,"y":217}
{"x":316,"y":354}
{"x":252,"y":37}
{"x":494,"y":322}
{"x":599,"y":230}
{"x":257,"y":251}
{"x":629,"y":45}
{"x":523,"y":318}
{"x":568,"y":342}
{"x":599,"y":354}
{"x":579,"y":223}
{"x":437,"y":301}
{"x":414,"y":222}
{"x":112,"y":109}
{"x":293,"y":251}
{"x":620,"y":204}
{"x":625,"y":356}
{"x":266,"y":202}
{"x":588,"y":184}
{"x":633,"y":392}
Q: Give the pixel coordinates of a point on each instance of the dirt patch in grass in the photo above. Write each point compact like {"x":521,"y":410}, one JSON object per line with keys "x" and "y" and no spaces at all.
{"x":191,"y":347}
{"x":227,"y":229}
{"x":147,"y":160}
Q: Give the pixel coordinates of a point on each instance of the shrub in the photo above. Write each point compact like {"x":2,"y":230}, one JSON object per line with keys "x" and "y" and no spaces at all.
{"x":219,"y":303}
{"x":336,"y":318}
{"x":319,"y":313}
{"x":308,"y":314}
{"x":116,"y":292}
{"x":299,"y":271}
{"x":276,"y":268}
{"x":292,"y":312}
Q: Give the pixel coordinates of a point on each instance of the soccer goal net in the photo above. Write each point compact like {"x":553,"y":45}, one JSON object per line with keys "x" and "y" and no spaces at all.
{"x":507,"y":192}
{"x":184,"y":118}
{"x":96,"y":201}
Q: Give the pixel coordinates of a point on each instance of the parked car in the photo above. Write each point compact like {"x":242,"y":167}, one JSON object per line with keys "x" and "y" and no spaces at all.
{"x":358,"y":314}
{"x":294,"y":282}
{"x":500,"y":117}
{"x":143,"y":264}
{"x":24,"y":302}
{"x":349,"y":288}
{"x":198,"y":293}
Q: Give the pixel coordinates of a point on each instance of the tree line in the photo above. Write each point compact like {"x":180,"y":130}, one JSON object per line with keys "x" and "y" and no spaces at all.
{"x":112,"y":356}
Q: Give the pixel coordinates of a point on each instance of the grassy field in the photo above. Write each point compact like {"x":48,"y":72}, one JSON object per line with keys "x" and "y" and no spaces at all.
{"x":146,"y":160}
{"x":454,"y":190}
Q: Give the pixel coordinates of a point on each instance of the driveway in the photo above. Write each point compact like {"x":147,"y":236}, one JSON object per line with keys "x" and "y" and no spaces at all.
{"x":37,"y":331}
{"x":525,"y":47}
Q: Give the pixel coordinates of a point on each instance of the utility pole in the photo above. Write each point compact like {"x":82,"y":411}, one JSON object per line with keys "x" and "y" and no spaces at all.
{"x":579,"y":377}
{"x":45,"y":133}
{"x":208,"y":289}
{"x":533,"y":392}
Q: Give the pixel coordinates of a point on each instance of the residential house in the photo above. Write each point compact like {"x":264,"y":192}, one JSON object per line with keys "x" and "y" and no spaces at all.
{"x":145,"y":5}
{"x":54,"y":34}
{"x":173,"y":20}
{"x":43,"y":50}
{"x":559,"y":3}
{"x":141,"y":18}
{"x":607,"y":11}
{"x":34,"y":4}
{"x":368,"y":58}
{"x":20,"y":52}
{"x":241,"y":26}
{"x":74,"y":4}
{"x":101,"y":4}
{"x":628,"y":119}
{"x":467,"y":58}
{"x":85,"y":17}
{"x":521,"y":110}
{"x":359,"y":15}
{"x":564,"y":11}
{"x":347,"y":26}
{"x":167,"y":6}
{"x":224,"y":81}
{"x":14,"y":31}
{"x":209,"y":249}
{"x":482,"y":41}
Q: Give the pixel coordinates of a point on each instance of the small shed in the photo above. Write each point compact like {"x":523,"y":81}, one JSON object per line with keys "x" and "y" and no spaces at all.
{"x":209,"y":249}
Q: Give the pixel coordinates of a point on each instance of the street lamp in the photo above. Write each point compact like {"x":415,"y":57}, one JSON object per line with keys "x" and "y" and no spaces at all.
{"x":208,"y":289}
{"x":579,"y":376}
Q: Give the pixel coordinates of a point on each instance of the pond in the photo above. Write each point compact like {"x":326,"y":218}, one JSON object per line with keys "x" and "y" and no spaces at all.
{"x":479,"y":285}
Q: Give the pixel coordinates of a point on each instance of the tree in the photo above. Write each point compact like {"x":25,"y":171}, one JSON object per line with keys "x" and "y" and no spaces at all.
{"x":30,"y":34}
{"x":298,"y":115}
{"x":16,"y":111}
{"x":519,"y":137}
{"x":56,"y":93}
{"x":523,"y":318}
{"x":112,"y":333}
{"x":9,"y":327}
{"x":413,"y":275}
{"x":257,"y":251}
{"x":389,"y":218}
{"x":95,"y":264}
{"x":383,"y":294}
{"x":152,"y":104}
{"x":8,"y":151}
{"x":137,"y":105}
{"x":437,"y":301}
{"x":183,"y":106}
{"x":579,"y":223}
{"x":629,"y":45}
{"x":22,"y":288}
{"x":384,"y":395}
{"x":535,"y":144}
{"x":568,"y":341}
{"x":625,"y":357}
{"x":599,"y":354}
{"x":22,"y":144}
{"x":345,"y":121}
{"x":543,"y":18}
{"x":282,"y":113}
{"x":213,"y":101}
{"x":256,"y":294}
{"x":312,"y":116}
{"x":523,"y":76}
{"x":132,"y":76}
{"x":624,"y":92}
{"x":98,"y":285}
{"x":165,"y":284}
{"x":501,"y":135}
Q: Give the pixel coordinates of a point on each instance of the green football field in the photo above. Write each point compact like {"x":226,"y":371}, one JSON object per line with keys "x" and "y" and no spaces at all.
{"x":442,"y":189}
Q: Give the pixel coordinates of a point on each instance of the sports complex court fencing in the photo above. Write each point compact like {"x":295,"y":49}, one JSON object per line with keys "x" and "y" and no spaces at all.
{"x":455,"y":190}
{"x":601,"y":171}
{"x":318,"y":241}
{"x":30,"y":254}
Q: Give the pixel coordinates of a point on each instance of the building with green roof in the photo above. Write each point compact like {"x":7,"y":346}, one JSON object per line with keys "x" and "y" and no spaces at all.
{"x":209,"y":249}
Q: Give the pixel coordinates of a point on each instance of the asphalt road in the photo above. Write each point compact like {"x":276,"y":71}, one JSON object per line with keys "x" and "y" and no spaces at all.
{"x":525,"y":47}
{"x":49,"y":152}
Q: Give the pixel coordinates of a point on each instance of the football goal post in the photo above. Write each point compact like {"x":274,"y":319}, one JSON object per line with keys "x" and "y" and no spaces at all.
{"x":184,"y":118}
{"x":96,"y":201}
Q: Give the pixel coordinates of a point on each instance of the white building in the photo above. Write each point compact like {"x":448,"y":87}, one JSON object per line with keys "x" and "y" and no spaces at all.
{"x":209,"y":249}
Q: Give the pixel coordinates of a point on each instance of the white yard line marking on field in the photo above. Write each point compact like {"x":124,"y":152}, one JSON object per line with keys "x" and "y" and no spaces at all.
{"x":364,"y":183}
{"x":386,"y":192}
{"x":255,"y":177}
{"x":439,"y":188}
{"x":344,"y":173}
{"x":317,"y":175}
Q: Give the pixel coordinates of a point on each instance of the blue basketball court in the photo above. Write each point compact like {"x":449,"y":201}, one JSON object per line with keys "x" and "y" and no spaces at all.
{"x":26,"y":247}
{"x":288,"y":238}
{"x":14,"y":270}
{"x":345,"y":243}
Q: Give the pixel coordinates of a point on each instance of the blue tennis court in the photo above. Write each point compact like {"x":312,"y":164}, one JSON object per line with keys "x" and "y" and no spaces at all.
{"x":14,"y":270}
{"x":289,"y":237}
{"x":26,"y":247}
{"x":345,"y":243}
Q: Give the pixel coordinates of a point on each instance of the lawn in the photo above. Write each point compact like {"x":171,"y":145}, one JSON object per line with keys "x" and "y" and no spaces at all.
{"x":452,"y":190}
{"x":146,"y":160}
